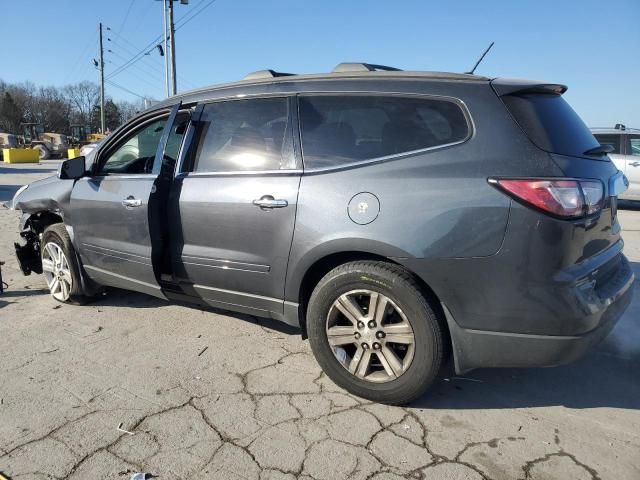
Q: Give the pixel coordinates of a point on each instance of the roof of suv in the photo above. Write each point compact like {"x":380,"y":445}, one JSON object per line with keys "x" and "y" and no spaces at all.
{"x":340,"y":72}
{"x":359,"y":71}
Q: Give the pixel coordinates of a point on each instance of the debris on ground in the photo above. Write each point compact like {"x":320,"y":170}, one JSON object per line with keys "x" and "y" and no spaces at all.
{"x":120,"y":429}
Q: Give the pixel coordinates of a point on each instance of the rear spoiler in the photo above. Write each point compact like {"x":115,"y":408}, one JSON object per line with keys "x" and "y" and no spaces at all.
{"x":511,"y":86}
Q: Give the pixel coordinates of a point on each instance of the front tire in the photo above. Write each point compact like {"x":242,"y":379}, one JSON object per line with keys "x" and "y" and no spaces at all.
{"x":43,"y":152}
{"x":373,"y":332}
{"x":59,"y":266}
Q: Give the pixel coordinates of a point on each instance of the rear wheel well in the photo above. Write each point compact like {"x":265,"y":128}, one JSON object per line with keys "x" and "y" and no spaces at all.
{"x":324,"y":265}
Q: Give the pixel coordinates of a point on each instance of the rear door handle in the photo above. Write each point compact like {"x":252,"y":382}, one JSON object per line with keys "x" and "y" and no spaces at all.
{"x":267,"y":201}
{"x":635,"y":164}
{"x":131,"y":202}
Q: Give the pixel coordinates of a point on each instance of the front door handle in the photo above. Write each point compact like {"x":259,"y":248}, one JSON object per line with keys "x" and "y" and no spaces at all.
{"x":131,"y":202}
{"x":635,"y":164}
{"x":267,"y":201}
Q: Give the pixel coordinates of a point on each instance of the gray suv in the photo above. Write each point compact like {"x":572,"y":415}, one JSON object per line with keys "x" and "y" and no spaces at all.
{"x":396,"y":217}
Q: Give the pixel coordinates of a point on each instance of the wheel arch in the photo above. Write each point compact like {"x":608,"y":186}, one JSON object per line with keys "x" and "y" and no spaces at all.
{"x":323,"y":264}
{"x":40,"y":220}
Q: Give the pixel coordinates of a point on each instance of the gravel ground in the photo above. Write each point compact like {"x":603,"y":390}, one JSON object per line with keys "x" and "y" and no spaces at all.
{"x":207,"y":394}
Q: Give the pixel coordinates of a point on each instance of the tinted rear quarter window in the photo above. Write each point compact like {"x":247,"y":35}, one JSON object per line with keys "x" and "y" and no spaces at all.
{"x":551,"y":123}
{"x":342,"y":129}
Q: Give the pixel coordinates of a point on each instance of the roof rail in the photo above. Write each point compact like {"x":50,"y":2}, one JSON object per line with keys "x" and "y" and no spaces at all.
{"x":362,"y":67}
{"x":266,"y":74}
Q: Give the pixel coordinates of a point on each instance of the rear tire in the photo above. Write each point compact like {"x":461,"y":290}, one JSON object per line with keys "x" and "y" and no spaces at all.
{"x":401,"y":339}
{"x":59,"y":266}
{"x":43,"y":152}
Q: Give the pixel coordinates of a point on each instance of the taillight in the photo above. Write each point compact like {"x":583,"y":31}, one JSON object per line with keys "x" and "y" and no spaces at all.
{"x":559,"y":197}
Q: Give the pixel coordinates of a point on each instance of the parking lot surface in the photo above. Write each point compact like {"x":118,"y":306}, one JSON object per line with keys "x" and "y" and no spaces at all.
{"x":132,"y":384}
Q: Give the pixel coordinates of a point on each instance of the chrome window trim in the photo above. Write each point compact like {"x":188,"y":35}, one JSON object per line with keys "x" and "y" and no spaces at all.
{"x":121,"y":176}
{"x":291,"y":172}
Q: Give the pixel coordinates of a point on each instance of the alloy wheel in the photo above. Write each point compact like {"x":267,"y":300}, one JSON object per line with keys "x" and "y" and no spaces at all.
{"x":370,"y":336}
{"x":57,"y":272}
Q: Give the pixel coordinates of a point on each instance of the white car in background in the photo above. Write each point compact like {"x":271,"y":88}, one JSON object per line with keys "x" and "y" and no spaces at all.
{"x":626,"y":154}
{"x":88,"y":148}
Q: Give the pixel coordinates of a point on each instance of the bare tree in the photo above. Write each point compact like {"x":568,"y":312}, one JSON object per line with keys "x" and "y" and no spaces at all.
{"x":128,"y":110}
{"x":58,"y":108}
{"x":83,"y":96}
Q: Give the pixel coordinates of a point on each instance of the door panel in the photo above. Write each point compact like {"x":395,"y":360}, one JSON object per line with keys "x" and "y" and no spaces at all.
{"x":632,"y":171}
{"x":113,"y":240}
{"x":113,"y":211}
{"x":235,"y":205}
{"x":232,"y":252}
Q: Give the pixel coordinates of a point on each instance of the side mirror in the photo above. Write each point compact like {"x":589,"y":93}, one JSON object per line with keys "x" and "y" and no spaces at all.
{"x":72,"y":169}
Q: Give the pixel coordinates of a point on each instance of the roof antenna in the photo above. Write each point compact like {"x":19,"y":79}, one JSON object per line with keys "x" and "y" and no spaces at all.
{"x":480,"y":59}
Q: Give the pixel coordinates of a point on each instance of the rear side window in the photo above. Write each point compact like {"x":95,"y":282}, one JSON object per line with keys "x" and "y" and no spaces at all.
{"x":341,"y":129}
{"x":633,"y":147}
{"x":551,"y":123}
{"x":613,"y":140}
{"x":244,"y":135}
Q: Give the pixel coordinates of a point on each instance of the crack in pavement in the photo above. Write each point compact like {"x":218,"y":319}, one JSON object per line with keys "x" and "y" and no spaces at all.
{"x":323,"y":420}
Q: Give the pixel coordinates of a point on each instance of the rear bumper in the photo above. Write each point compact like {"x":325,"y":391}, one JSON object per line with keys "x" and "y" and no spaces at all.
{"x":481,"y":348}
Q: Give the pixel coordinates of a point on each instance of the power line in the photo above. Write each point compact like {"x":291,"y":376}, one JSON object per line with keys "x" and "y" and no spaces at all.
{"x":135,"y":75}
{"x":149,"y":59}
{"x":114,"y":84}
{"x":195,"y":13}
{"x":126,"y":16}
{"x":151,"y":45}
{"x":73,"y":69}
{"x":149,"y":68}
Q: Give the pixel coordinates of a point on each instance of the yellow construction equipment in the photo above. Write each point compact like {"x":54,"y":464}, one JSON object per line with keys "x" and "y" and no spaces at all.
{"x":81,"y":135}
{"x":47,"y":144}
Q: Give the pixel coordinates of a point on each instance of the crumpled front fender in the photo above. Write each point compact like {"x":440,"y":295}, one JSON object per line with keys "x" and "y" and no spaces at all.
{"x":47,"y":195}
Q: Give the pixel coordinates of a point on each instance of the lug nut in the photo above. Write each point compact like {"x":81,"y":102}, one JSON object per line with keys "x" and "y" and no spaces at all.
{"x":380,"y":334}
{"x":372,"y":324}
{"x":376,"y":346}
{"x":365,"y":346}
{"x":357,"y":334}
{"x":360,"y":324}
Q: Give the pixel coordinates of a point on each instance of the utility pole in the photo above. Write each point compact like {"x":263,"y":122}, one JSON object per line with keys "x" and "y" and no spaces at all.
{"x":170,"y":77}
{"x":166,"y":52}
{"x":101,"y":82}
{"x":172,"y":35}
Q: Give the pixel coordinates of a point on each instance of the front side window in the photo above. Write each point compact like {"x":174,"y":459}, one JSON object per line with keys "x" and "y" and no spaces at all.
{"x":613,"y":140}
{"x":244,"y":135}
{"x":137,"y":152}
{"x":634,"y":145}
{"x":341,"y":129}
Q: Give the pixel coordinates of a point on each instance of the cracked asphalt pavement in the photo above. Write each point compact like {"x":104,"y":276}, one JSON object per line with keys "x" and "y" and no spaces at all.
{"x":133,"y":384}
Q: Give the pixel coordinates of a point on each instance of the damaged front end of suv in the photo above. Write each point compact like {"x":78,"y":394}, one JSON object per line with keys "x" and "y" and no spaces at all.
{"x":43,"y":203}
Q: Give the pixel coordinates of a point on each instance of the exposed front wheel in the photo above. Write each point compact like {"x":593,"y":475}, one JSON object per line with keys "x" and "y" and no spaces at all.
{"x":374,"y":333}
{"x":59,"y":266}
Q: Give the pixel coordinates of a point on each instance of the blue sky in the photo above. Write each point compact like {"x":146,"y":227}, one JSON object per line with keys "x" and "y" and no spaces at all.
{"x":592,"y":46}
